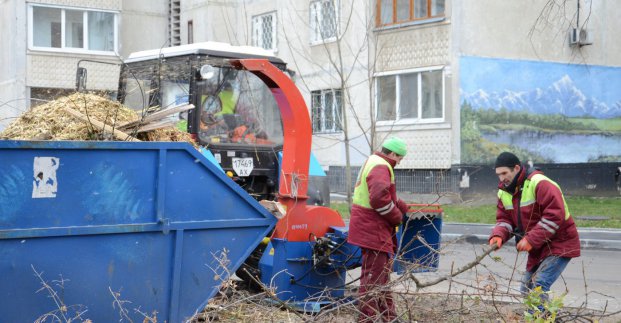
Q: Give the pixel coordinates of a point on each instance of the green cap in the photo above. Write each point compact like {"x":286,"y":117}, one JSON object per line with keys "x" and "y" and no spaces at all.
{"x":396,"y":145}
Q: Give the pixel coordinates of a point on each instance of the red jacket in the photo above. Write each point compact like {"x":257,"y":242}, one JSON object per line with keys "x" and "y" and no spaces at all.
{"x":367,"y":228}
{"x":543,"y":222}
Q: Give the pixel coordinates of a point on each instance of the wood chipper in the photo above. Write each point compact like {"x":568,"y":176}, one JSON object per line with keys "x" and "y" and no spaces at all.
{"x":239,"y":117}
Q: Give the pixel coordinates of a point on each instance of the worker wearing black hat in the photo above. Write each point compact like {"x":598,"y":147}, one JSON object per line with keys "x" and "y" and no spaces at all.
{"x":532,"y":208}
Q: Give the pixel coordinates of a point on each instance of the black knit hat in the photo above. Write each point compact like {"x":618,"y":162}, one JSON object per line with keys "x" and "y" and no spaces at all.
{"x":507,"y":159}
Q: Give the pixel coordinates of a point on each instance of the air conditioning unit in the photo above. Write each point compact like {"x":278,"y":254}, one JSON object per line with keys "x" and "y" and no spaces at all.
{"x":580,"y":37}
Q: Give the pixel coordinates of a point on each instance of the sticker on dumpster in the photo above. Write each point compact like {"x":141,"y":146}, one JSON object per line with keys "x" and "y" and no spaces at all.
{"x":44,"y":184}
{"x":243,"y":166}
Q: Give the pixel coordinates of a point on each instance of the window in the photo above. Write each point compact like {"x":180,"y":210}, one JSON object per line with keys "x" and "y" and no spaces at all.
{"x":411,"y":96}
{"x":264,"y":31}
{"x":72,"y":29}
{"x":391,"y":12}
{"x":326,"y":110}
{"x":323,"y":20}
{"x":190,"y":31}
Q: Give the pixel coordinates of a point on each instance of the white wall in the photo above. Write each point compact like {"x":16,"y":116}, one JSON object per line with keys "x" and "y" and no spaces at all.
{"x":12,"y":60}
{"x":509,"y":29}
{"x":221,"y":21}
{"x":143,"y":25}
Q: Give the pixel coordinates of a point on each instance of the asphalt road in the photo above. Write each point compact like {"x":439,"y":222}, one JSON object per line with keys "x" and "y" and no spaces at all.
{"x":592,"y":280}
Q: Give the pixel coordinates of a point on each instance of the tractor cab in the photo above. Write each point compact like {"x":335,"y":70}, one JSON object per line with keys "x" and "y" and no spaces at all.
{"x":225,"y":99}
{"x":235,"y":115}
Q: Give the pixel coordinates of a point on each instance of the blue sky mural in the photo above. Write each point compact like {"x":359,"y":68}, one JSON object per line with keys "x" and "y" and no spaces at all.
{"x":550,"y":112}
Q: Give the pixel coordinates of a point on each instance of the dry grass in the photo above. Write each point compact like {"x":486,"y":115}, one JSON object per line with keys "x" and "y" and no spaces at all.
{"x":167,"y":134}
{"x":418,"y":297}
{"x":235,"y":305}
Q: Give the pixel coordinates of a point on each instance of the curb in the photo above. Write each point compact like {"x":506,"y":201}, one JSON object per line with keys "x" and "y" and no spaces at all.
{"x":600,"y":244}
{"x":476,"y":233}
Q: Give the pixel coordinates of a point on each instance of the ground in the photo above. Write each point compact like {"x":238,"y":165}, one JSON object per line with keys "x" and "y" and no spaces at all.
{"x":419,"y":307}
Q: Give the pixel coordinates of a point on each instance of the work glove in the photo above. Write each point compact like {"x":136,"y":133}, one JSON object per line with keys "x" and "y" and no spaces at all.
{"x":524,"y":245}
{"x":496,"y":240}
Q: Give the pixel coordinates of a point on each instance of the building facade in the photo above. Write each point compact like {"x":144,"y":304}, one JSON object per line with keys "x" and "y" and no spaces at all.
{"x":50,"y":38}
{"x":461,"y":81}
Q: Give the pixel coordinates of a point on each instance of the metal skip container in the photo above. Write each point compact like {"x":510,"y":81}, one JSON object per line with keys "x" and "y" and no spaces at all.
{"x":117,"y":230}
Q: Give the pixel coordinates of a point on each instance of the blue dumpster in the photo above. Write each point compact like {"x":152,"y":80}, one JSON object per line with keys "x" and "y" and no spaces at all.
{"x":419,"y":239}
{"x":108,"y":229}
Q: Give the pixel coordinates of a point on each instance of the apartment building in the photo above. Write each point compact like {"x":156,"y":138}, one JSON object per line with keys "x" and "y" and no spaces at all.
{"x":48,"y":39}
{"x":461,"y":81}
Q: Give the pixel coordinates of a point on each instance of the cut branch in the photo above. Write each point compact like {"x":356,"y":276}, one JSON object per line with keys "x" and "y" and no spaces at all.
{"x":100,"y":125}
{"x":459,"y":271}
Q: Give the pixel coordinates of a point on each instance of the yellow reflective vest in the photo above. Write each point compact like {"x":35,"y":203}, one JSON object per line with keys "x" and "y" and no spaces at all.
{"x":361,"y":192}
{"x":528,"y":194}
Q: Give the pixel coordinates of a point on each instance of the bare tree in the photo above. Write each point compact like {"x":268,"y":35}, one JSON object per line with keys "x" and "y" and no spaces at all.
{"x":558,"y":17}
{"x":347,"y":53}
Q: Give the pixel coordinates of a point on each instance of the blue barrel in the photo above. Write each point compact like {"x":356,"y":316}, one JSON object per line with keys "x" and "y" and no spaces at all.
{"x":419,"y":240}
{"x":108,"y":229}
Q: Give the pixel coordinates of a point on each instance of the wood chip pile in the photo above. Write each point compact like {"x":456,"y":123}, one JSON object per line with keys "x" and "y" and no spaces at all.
{"x":93,"y":118}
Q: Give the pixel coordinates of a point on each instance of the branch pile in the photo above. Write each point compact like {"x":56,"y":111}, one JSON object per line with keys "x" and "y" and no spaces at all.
{"x":83,"y":116}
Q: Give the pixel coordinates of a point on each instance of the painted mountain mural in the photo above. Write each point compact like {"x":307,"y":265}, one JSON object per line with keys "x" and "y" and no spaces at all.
{"x":562,"y":97}
{"x":545,"y":112}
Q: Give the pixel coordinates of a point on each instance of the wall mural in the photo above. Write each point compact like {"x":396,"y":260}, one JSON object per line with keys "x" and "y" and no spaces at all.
{"x":544,"y":112}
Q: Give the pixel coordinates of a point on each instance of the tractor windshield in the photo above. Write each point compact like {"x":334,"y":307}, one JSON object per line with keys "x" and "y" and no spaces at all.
{"x":232,"y":106}
{"x":236,"y":107}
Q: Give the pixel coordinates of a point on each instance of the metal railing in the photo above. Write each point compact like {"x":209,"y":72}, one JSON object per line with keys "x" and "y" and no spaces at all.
{"x":426,"y":181}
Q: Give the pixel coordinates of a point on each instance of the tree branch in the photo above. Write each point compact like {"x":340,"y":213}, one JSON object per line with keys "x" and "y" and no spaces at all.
{"x":459,"y":271}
